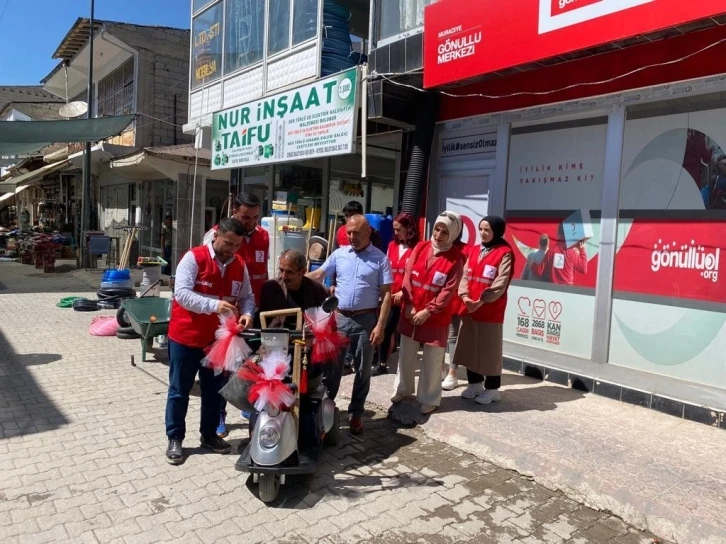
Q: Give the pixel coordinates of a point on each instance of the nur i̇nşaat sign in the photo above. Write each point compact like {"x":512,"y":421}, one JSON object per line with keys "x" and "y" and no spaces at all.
{"x":317,"y":120}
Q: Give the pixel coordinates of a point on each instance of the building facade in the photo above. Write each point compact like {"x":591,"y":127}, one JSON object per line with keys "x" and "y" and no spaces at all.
{"x":600,"y":140}
{"x":246,"y":54}
{"x":140,"y":70}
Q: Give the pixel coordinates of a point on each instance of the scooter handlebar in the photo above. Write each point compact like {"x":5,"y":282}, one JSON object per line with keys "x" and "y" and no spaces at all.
{"x":255,"y":334}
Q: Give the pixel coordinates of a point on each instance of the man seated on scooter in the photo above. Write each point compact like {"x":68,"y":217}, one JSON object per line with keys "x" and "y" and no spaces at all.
{"x":291,"y":289}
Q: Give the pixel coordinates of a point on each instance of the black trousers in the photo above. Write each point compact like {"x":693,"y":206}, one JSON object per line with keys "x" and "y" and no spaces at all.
{"x":490,"y":382}
{"x":389,"y":333}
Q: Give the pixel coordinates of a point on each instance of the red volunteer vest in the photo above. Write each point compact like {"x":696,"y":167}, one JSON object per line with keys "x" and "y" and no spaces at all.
{"x":428,"y":281}
{"x":255,"y":255}
{"x":398,"y":265}
{"x":197,"y":330}
{"x":480,"y":274}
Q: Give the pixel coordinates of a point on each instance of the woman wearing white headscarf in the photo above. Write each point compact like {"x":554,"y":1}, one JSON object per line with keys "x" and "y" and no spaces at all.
{"x":430,"y":284}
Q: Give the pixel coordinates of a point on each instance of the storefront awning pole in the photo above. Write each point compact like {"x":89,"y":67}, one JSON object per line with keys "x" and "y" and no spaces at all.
{"x":198,"y":139}
{"x":364,"y":121}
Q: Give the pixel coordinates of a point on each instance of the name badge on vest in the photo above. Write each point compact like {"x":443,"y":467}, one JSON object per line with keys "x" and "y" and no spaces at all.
{"x":490,"y":272}
{"x":559,"y":261}
{"x":260,"y":256}
{"x":439,"y":279}
{"x":236,"y":288}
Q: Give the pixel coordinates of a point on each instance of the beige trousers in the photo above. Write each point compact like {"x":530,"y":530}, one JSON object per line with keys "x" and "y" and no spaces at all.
{"x":429,"y":381}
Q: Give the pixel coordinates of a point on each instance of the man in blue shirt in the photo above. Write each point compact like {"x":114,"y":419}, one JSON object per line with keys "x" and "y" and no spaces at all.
{"x":363,"y":283}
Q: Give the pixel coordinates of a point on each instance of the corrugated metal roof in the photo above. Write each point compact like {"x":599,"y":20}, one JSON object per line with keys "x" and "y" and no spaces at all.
{"x":184,"y":151}
{"x":32,"y":100}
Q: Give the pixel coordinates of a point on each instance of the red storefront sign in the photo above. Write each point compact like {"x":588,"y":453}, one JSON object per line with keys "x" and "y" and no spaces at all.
{"x":674,"y":259}
{"x":464,"y":39}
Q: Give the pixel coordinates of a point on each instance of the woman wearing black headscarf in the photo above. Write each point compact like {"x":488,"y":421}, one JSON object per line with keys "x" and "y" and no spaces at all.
{"x":483,"y":290}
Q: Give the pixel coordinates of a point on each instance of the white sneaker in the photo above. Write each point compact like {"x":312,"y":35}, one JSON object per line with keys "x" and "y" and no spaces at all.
{"x":427,"y":408}
{"x":472,"y":391}
{"x":450,"y":383}
{"x":489,"y":396}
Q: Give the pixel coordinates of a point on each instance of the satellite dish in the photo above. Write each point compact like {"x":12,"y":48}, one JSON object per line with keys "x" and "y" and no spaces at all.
{"x":73,"y":109}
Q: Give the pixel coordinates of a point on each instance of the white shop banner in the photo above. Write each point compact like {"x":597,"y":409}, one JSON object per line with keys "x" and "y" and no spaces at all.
{"x":557,"y":169}
{"x":550,"y":320}
{"x":317,"y":120}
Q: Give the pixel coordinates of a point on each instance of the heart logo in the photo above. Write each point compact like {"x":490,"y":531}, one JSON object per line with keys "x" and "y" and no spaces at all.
{"x":539,"y":307}
{"x":555,"y":309}
{"x":524,"y":304}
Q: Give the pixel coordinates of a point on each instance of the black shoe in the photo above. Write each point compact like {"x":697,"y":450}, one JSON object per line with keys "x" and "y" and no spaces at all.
{"x":379,"y":370}
{"x":216,"y":444}
{"x":347,"y":370}
{"x":174,"y":454}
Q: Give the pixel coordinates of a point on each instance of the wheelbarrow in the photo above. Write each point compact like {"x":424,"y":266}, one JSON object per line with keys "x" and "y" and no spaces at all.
{"x":149,"y":317}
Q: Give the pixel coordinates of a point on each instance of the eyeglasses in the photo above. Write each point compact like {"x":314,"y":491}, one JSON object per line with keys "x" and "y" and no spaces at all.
{"x":449,"y":215}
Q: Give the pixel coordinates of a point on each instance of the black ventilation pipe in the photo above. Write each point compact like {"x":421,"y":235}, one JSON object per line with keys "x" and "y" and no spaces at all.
{"x":423,"y":137}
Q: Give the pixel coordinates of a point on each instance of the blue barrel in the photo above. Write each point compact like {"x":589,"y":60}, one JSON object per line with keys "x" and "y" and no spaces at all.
{"x":384,"y":226}
{"x":117,"y":275}
{"x":314,"y":265}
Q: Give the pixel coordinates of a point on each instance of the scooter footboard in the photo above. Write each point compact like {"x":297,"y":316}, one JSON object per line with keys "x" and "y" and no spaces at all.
{"x":307,"y":463}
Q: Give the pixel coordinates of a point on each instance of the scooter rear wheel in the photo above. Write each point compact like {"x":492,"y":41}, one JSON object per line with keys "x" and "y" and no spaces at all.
{"x":269,"y":487}
{"x":332,"y":436}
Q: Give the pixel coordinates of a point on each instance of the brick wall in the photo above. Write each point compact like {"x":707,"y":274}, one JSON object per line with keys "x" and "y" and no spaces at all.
{"x":163,"y":82}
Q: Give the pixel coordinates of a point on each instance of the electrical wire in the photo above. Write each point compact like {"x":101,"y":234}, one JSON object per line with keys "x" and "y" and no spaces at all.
{"x":163,"y":93}
{"x":552,"y":91}
{"x":5,"y":7}
{"x":157,"y":119}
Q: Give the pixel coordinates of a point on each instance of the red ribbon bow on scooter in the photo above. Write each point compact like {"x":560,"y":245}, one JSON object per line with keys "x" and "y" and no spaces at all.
{"x":327,"y":341}
{"x":229,"y":350}
{"x":267,"y":381}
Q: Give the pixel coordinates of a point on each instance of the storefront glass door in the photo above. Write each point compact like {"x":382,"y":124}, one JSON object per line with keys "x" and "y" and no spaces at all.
{"x":468,"y":195}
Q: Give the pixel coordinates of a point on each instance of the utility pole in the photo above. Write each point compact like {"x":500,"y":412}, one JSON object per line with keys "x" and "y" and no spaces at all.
{"x":86,"y":199}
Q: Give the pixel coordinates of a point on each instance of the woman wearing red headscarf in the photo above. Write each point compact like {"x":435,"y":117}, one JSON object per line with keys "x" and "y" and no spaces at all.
{"x":405,"y":239}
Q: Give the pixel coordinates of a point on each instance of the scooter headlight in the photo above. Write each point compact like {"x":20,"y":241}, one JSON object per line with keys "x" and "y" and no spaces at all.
{"x":269,"y":437}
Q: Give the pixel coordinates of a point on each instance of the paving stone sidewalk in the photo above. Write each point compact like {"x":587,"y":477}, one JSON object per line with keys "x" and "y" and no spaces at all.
{"x":82,"y":459}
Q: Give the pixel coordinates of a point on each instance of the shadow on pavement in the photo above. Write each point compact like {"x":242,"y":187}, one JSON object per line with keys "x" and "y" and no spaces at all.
{"x":24,"y":407}
{"x":338,"y":472}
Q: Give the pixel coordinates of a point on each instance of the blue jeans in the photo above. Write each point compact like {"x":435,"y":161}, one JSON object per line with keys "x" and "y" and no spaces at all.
{"x":358,"y":330}
{"x":184,"y":363}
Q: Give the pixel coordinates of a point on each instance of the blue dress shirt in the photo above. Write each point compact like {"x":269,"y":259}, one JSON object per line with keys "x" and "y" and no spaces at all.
{"x":359,"y":276}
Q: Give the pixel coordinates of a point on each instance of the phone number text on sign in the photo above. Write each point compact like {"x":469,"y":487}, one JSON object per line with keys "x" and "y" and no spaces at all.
{"x":539,"y":320}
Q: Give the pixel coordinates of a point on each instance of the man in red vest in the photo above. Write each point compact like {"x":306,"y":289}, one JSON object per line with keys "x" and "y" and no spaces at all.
{"x":211,"y":279}
{"x":255,"y":252}
{"x":255,"y":248}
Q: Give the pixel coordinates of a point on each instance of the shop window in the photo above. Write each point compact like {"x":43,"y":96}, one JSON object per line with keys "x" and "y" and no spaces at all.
{"x":207,"y":46}
{"x":400,"y":16}
{"x":278,"y":26}
{"x":116,"y":97}
{"x":554,"y":194}
{"x":116,"y":91}
{"x":199,"y":4}
{"x":296,"y":19}
{"x":669,"y":315}
{"x":244,"y":34}
{"x":158,"y":201}
{"x":304,"y":21}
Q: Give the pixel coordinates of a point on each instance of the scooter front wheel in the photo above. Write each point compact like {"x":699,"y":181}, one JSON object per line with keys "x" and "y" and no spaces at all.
{"x":269,"y":487}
